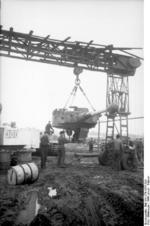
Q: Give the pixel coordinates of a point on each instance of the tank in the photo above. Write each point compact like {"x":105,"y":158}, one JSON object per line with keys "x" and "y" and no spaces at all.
{"x":73,"y":118}
{"x":78,"y":120}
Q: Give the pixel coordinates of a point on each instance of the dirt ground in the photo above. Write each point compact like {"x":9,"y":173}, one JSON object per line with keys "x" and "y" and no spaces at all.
{"x":87,"y":194}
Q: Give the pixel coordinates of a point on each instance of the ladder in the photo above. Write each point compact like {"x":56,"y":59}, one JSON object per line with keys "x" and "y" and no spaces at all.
{"x":124,"y":126}
{"x":110,"y":128}
{"x":118,"y":93}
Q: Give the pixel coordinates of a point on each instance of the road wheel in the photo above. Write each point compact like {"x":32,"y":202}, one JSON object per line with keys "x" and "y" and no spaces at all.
{"x":127,"y":162}
{"x":100,"y":159}
{"x":103,"y":158}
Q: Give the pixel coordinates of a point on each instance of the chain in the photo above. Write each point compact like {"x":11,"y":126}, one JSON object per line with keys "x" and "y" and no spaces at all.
{"x":77,"y":71}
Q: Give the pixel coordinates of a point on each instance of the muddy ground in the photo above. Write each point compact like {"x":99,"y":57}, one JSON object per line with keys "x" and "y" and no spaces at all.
{"x":87,"y":194}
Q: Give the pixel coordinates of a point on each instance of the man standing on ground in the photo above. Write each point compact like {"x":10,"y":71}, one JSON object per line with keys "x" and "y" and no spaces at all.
{"x":118,"y":151}
{"x":91,"y":143}
{"x":133,"y":154}
{"x":61,"y":151}
{"x":44,"y":145}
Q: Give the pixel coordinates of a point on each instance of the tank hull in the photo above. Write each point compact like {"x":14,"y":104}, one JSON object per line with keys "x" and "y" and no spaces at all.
{"x":76,"y":122}
{"x":73,"y":119}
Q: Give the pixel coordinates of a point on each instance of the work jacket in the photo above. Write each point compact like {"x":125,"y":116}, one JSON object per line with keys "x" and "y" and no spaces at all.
{"x":61,"y":142}
{"x":118,"y":145}
{"x":44,"y":140}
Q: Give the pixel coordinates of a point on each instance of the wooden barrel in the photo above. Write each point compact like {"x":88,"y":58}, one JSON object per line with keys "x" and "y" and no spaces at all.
{"x":4,"y":159}
{"x":22,"y":174}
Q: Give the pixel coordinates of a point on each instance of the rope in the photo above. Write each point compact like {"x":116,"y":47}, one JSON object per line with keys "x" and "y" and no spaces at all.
{"x":74,"y":91}
{"x":71,"y":94}
{"x":87,"y":98}
{"x":116,"y":128}
{"x":141,"y":117}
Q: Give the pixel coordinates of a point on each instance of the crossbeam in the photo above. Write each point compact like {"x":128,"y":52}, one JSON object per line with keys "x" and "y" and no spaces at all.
{"x":87,"y":56}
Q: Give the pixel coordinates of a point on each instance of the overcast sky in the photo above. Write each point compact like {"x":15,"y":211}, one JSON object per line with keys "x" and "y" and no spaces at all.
{"x":30,"y":91}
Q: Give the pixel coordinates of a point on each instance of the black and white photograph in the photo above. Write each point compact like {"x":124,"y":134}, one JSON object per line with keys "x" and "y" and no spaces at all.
{"x":72,"y":113}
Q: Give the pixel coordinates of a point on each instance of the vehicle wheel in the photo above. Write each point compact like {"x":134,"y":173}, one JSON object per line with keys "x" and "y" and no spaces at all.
{"x":102,"y":158}
{"x":127,"y":162}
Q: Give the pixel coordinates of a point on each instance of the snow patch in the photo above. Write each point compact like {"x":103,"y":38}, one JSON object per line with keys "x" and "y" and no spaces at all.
{"x":52,"y":192}
{"x":37,"y":207}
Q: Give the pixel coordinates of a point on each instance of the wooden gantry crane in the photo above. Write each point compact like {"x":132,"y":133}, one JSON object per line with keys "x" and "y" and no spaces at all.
{"x":116,"y":62}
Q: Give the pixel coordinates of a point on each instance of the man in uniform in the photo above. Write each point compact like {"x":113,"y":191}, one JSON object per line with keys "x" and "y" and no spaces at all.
{"x":133,"y":154}
{"x":118,"y":151}
{"x":61,"y":151}
{"x":49,"y":129}
{"x":91,"y":143}
{"x":44,"y":145}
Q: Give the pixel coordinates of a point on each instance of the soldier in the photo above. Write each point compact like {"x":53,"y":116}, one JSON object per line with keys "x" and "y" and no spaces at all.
{"x":49,"y":129}
{"x":44,"y":145}
{"x":61,"y":151}
{"x":118,"y":151}
{"x":91,"y":143}
{"x":133,"y":154}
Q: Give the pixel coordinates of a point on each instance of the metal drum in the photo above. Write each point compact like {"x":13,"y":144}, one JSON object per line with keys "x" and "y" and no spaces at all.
{"x":23,"y":174}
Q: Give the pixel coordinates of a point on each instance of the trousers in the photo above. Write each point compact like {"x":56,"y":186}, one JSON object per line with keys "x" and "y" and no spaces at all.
{"x":117,"y":159}
{"x":44,"y":153}
{"x":61,"y":156}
